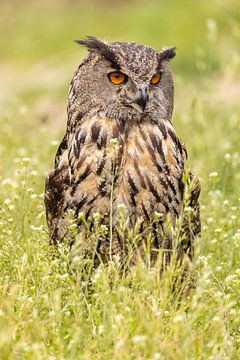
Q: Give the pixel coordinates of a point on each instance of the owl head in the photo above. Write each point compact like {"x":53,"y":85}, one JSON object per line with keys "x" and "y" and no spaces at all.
{"x":124,"y":81}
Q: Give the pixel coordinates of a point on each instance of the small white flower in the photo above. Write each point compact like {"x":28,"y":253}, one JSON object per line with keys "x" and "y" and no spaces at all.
{"x":118,"y":318}
{"x":227,"y":156}
{"x":158,"y":215}
{"x":178,"y":318}
{"x":97,"y":274}
{"x":139,"y":339}
{"x":227,"y":296}
{"x":218,"y":294}
{"x":188,"y":210}
{"x":81,"y":216}
{"x":213,"y":241}
{"x":100,"y":329}
{"x":36,"y":228}
{"x":10,"y":182}
{"x":120,"y":343}
{"x":230,"y":278}
{"x":76,"y":259}
{"x":232,"y":311}
{"x":213,"y":174}
{"x":96,"y":216}
{"x":121,"y":207}
{"x":26,"y":160}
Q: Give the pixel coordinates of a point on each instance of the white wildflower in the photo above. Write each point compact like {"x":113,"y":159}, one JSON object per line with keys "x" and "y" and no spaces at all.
{"x":100,"y":329}
{"x":230,"y":278}
{"x":213,"y":174}
{"x":26,"y":160}
{"x":139,"y":339}
{"x":178,"y":318}
{"x":227,"y":157}
{"x":118,"y":318}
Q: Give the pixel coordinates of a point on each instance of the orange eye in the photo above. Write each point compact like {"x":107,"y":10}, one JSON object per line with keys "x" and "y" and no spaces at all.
{"x":117,"y":78}
{"x":155,"y":79}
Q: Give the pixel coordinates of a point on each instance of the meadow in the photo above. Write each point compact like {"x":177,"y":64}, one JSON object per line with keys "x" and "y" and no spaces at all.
{"x":45,"y":312}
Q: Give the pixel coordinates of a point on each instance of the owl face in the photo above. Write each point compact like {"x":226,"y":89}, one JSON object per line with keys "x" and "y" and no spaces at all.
{"x":125,"y":81}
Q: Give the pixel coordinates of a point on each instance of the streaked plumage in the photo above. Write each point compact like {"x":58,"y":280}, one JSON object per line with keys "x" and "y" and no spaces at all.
{"x":121,"y":149}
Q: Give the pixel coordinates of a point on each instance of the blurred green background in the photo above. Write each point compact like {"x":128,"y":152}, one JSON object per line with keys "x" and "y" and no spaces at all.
{"x":37,"y":30}
{"x":205,"y":32}
{"x":38,"y":58}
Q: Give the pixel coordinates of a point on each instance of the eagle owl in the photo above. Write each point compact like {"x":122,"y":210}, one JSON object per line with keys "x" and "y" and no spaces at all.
{"x":120,"y":151}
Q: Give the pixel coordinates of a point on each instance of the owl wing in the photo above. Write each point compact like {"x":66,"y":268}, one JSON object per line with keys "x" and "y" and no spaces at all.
{"x":77,"y":167}
{"x":62,"y":147}
{"x":56,"y":185}
{"x":191,"y":221}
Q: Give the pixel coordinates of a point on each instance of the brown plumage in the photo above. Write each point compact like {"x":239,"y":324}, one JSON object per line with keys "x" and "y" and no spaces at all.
{"x":120,"y":148}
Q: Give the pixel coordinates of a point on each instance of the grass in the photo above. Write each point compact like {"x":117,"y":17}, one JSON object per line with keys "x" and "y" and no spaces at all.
{"x":44,"y":312}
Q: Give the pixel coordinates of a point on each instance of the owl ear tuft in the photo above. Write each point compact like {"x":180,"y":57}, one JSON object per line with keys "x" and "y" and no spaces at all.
{"x":167,"y":53}
{"x":94,"y":44}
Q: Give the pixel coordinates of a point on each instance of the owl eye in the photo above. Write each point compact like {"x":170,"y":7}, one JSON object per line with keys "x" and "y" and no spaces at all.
{"x":117,"y":77}
{"x":155,"y":79}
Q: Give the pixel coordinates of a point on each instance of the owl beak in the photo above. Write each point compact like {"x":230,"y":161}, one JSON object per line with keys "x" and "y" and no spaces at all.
{"x":143,"y":98}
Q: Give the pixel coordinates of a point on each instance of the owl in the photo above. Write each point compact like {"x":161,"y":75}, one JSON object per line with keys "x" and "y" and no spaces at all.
{"x":121,"y":157}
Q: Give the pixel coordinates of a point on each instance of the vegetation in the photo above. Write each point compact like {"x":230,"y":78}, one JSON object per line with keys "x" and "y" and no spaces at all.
{"x":46,"y":312}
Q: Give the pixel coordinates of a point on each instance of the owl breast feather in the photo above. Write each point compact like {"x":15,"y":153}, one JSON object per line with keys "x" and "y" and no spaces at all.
{"x":140,"y":166}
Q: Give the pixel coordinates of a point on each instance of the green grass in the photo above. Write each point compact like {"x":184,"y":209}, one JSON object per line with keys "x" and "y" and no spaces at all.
{"x":45,"y":311}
